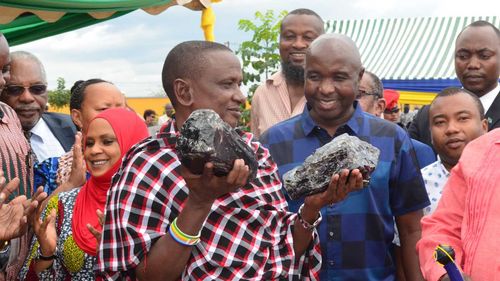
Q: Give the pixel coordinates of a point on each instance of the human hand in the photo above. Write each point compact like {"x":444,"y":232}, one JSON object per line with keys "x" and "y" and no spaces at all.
{"x":13,"y":221}
{"x":45,"y":231}
{"x":205,"y":188}
{"x":78,"y":170}
{"x":95,"y":232}
{"x":340,"y":186}
{"x":31,"y":205}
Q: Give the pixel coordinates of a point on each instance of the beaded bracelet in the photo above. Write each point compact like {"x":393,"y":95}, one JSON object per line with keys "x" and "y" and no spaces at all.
{"x":181,"y":237}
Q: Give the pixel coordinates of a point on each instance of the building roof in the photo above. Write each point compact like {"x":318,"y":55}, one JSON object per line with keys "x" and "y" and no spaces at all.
{"x":407,"y":48}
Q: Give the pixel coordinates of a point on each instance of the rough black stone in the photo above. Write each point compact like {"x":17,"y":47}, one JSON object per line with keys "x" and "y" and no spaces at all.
{"x":343,"y":152}
{"x":205,"y":137}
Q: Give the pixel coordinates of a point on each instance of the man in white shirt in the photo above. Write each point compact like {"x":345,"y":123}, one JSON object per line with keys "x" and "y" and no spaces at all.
{"x":50,"y":134}
{"x":456,"y":117}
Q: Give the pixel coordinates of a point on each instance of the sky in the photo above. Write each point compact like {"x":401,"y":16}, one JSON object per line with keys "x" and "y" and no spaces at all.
{"x":129,"y":51}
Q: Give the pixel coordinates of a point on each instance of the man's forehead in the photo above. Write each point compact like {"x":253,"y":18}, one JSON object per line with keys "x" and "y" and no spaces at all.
{"x":478,"y":35}
{"x":304,"y":20}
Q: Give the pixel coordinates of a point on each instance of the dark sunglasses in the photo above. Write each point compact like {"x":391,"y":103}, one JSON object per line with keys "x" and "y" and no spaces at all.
{"x":16,"y":90}
{"x":394,"y":110}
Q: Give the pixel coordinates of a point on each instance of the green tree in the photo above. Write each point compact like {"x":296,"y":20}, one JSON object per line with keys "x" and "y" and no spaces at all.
{"x":59,"y":97}
{"x":260,"y":55}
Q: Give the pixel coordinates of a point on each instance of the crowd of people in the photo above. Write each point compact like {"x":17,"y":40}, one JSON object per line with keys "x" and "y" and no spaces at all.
{"x":100,"y":194}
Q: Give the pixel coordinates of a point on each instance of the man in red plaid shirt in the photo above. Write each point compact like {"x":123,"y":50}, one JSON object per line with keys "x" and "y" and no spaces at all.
{"x":245,"y":231}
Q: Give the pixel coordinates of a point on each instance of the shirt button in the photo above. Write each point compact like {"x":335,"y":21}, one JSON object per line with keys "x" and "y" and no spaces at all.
{"x":331,"y":234}
{"x":330,"y":262}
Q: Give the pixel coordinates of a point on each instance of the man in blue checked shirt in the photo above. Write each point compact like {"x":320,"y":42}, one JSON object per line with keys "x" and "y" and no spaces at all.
{"x":356,"y":234}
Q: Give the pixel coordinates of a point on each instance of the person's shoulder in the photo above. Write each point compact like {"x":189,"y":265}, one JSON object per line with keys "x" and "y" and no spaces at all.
{"x":382,"y":128}
{"x":430,"y":167}
{"x":273,"y":81}
{"x":7,"y":111}
{"x":282,"y":131}
{"x":57,"y":115}
{"x":61,"y":117}
{"x":158,"y":151}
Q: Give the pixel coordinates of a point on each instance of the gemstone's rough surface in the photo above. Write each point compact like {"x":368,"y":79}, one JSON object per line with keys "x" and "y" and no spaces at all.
{"x":205,"y":137}
{"x":343,"y":152}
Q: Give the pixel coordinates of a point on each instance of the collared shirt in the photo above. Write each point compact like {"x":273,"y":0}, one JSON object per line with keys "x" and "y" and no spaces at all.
{"x":44,"y":143}
{"x":271,"y":104}
{"x":15,"y":153}
{"x":487,"y":99}
{"x":15,"y":161}
{"x":435,"y":176}
{"x":356,"y":234}
{"x":246,"y":236}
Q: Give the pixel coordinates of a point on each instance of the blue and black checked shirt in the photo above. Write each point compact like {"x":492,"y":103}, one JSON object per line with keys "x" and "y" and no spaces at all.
{"x":356,"y":234}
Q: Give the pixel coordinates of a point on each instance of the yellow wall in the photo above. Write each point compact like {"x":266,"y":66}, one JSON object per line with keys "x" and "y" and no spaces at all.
{"x":138,"y":104}
{"x":415,"y":98}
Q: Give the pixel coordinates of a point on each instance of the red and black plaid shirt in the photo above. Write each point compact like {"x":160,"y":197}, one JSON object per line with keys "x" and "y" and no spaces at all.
{"x":247,"y":235}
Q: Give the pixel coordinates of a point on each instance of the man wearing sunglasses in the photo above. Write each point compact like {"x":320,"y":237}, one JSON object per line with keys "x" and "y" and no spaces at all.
{"x":51,"y":134}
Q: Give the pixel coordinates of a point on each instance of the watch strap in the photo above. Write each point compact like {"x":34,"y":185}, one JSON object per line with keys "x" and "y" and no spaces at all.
{"x":40,"y":256}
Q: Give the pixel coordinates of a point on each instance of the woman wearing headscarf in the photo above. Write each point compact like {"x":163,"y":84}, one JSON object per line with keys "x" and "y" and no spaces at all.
{"x":65,"y":247}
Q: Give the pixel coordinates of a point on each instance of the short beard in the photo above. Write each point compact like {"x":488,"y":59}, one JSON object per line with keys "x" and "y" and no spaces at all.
{"x":294,"y":74}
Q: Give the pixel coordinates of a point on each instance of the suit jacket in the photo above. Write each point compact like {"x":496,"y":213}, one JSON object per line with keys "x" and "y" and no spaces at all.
{"x":419,"y":127}
{"x":493,"y":114}
{"x":62,"y":127}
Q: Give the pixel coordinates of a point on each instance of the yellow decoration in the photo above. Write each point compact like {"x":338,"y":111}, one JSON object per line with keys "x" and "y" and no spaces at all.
{"x":208,"y":22}
{"x":73,"y":256}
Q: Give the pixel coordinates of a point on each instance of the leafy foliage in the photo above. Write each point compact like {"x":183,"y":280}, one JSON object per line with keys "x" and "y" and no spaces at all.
{"x":260,"y":56}
{"x":59,"y":97}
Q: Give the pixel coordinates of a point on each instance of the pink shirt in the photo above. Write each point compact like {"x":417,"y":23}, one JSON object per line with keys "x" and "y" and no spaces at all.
{"x":468,"y":214}
{"x":271,"y":104}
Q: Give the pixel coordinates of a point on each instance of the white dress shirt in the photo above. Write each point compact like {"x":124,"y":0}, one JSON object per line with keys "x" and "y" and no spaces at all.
{"x":487,"y":100}
{"x":44,"y":143}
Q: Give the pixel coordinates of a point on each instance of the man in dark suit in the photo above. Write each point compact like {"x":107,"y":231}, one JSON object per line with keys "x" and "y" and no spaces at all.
{"x":477,"y":65}
{"x":50,"y":134}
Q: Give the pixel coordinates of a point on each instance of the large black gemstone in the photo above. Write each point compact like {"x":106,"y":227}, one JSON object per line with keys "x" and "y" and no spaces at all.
{"x":343,"y":152}
{"x":205,"y":137}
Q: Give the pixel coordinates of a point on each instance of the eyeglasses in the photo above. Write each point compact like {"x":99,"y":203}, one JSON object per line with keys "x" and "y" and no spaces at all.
{"x":392,"y":111}
{"x":362,"y":94}
{"x":16,"y":90}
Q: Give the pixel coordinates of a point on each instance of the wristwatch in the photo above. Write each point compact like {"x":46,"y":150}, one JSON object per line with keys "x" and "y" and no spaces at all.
{"x":40,"y":256}
{"x":306,"y":224}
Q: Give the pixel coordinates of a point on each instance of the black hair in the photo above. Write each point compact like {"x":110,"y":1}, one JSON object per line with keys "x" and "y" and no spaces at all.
{"x":451,"y":91}
{"x":186,"y":60}
{"x":377,"y":84}
{"x":304,"y":11}
{"x":148,"y":112}
{"x":78,"y":91}
{"x":481,"y":23}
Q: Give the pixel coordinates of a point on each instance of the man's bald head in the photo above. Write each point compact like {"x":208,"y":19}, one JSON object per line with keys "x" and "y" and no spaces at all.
{"x":338,"y":43}
{"x":333,"y":72}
